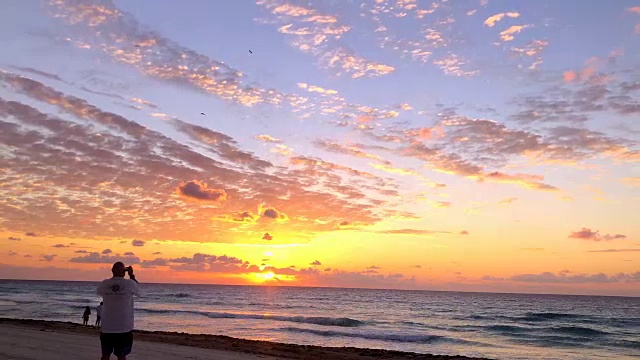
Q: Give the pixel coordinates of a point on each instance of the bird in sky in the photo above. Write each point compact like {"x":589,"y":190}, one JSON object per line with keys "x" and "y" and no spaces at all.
{"x":251,"y":52}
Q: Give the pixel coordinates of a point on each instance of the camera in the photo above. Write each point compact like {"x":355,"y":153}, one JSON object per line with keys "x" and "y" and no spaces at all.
{"x":127,"y":269}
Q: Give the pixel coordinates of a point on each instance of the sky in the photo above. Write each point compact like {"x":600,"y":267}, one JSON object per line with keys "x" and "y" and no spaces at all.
{"x":440,"y":145}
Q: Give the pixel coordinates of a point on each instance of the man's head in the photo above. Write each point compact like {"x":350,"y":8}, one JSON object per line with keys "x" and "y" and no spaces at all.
{"x":118,"y":269}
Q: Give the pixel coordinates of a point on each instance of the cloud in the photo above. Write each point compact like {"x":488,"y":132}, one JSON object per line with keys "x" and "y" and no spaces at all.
{"x":31,"y":234}
{"x":532,"y":49}
{"x":356,"y":66}
{"x":267,"y":237}
{"x":102,"y":27}
{"x":106,"y":251}
{"x":418,"y":232}
{"x":316,"y":263}
{"x":199,"y":191}
{"x":13,"y":238}
{"x":533,"y":249}
{"x":157,"y":253}
{"x":81,"y":252}
{"x":634,"y":10}
{"x":137,"y":242}
{"x":564,"y":278}
{"x":37,"y":72}
{"x":60,"y":246}
{"x":319,"y":34}
{"x":508,"y":35}
{"x":268,"y":138}
{"x":569,"y":76}
{"x":454,"y":65}
{"x":143,"y":102}
{"x":97,"y":258}
{"x":631,"y":181}
{"x":221,"y":144}
{"x":443,"y":204}
{"x":47,"y":258}
{"x":594,"y":235}
{"x":614,"y":250}
{"x":274,"y":214}
{"x":211,"y":263}
{"x":129,"y":253}
{"x":316,"y":89}
{"x":150,"y":264}
{"x":492,"y":20}
{"x":119,"y":155}
{"x":464,"y":232}
{"x":352,"y":150}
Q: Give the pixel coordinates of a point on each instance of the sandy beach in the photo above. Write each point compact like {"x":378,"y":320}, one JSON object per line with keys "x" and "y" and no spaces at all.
{"x":51,"y":340}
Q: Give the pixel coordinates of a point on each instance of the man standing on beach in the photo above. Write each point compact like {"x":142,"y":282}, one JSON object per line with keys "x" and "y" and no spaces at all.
{"x":116,"y":332}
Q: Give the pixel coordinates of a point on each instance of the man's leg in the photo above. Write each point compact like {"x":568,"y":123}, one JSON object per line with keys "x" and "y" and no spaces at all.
{"x":106,"y":346}
{"x":123,"y":345}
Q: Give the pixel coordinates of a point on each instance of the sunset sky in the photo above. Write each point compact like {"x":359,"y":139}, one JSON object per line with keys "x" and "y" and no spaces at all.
{"x":474,"y":145}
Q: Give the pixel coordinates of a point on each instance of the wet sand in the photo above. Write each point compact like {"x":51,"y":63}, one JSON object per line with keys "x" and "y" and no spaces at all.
{"x":52,"y":340}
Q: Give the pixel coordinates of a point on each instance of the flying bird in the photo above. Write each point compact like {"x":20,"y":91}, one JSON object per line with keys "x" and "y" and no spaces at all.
{"x":251,"y":52}
{"x":202,"y":113}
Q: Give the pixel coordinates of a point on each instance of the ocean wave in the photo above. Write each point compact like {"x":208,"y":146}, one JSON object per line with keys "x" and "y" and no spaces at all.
{"x":180,"y":295}
{"x":578,"y":331}
{"x":414,"y":338}
{"x":508,"y":328}
{"x":547,"y":316}
{"x":316,"y":320}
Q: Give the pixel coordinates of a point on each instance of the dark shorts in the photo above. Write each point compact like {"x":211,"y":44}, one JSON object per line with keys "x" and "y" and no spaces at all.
{"x":119,"y":344}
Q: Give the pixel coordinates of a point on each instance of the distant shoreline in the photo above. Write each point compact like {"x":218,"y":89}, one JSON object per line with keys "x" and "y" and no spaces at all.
{"x":229,"y":344}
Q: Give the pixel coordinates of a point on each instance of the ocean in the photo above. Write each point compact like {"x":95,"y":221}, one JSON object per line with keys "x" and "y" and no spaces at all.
{"x":500,"y":326}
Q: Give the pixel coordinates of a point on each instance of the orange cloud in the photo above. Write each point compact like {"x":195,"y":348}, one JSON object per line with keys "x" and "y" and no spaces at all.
{"x":453,"y":65}
{"x":491,"y":21}
{"x":634,"y":10}
{"x":354,"y":65}
{"x":392,"y":170}
{"x":570,"y":76}
{"x":268,"y":138}
{"x":631,"y":181}
{"x":317,"y":89}
{"x":508,"y":35}
{"x":321,"y":39}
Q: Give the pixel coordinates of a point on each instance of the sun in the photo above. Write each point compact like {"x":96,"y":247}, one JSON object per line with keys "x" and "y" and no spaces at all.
{"x":268,"y":275}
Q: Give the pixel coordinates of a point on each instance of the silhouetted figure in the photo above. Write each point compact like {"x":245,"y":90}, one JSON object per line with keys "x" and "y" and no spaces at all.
{"x":99,"y":313}
{"x":116,"y":330}
{"x":85,"y":316}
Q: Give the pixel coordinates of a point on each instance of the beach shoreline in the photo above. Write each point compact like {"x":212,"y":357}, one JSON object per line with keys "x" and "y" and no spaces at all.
{"x":215,"y":343}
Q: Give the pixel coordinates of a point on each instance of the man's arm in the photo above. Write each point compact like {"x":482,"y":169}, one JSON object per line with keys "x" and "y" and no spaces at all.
{"x":134,"y":289}
{"x":130,"y":272}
